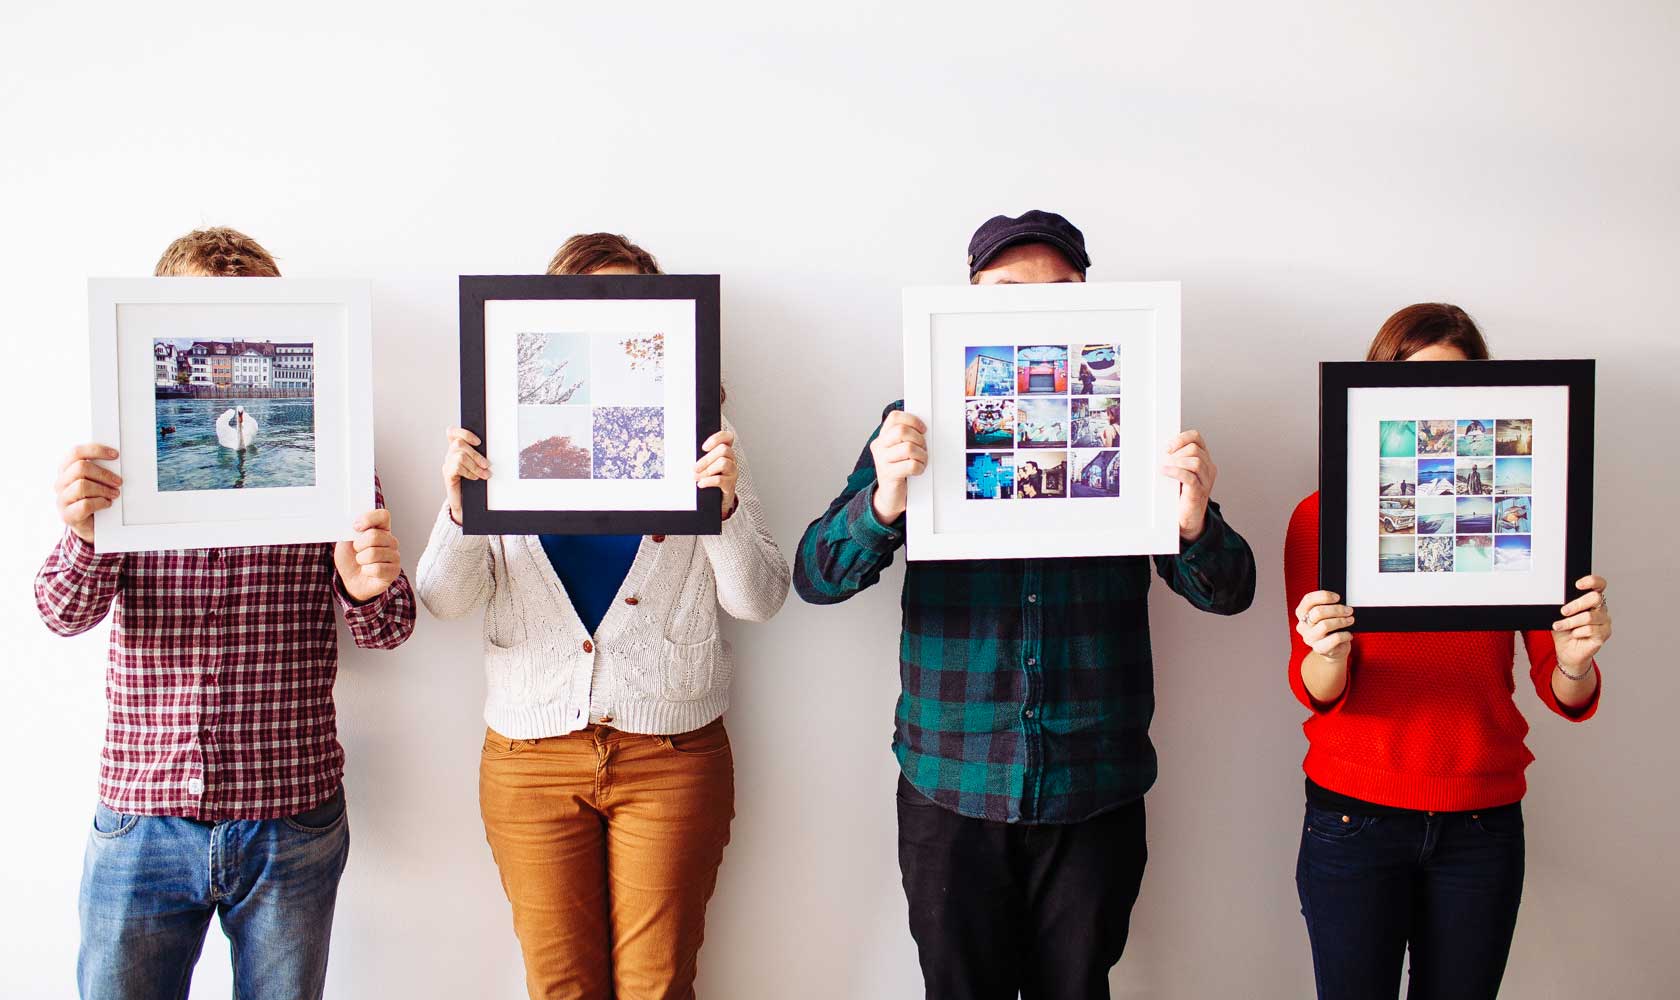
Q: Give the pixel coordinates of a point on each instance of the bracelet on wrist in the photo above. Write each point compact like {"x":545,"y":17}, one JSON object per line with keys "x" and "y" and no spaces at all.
{"x":1583,"y":675}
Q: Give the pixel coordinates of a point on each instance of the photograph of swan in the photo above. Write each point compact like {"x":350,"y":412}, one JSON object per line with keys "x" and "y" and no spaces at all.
{"x":233,"y":414}
{"x":235,"y":429}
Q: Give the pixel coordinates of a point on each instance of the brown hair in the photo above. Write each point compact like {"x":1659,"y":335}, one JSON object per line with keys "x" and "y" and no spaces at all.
{"x":217,"y":252}
{"x":1423,"y":325}
{"x":587,"y":253}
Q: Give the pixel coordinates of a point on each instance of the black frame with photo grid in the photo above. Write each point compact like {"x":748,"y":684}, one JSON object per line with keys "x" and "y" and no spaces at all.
{"x":1017,"y":397}
{"x":1337,"y":377}
{"x":475,"y":290}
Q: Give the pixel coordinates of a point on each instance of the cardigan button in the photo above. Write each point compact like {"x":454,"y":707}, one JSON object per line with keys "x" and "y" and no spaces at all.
{"x":659,"y":538}
{"x":631,"y":600}
{"x":588,"y":647}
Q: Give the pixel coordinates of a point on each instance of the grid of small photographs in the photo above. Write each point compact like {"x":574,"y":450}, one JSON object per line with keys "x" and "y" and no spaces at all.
{"x":1455,"y":496}
{"x":1042,"y":421}
{"x":591,"y":405}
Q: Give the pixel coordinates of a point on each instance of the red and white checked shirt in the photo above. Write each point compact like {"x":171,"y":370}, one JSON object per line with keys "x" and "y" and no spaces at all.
{"x":221,"y":671}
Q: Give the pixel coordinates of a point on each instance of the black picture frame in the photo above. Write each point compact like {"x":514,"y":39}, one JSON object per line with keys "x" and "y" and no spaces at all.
{"x":1336,"y":378}
{"x":476,"y":290}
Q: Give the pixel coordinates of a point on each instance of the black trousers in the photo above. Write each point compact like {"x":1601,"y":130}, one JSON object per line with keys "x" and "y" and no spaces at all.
{"x":1000,"y":909}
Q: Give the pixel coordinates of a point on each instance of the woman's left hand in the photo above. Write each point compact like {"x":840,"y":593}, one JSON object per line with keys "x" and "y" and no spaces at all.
{"x":717,"y":467}
{"x":1584,"y":627}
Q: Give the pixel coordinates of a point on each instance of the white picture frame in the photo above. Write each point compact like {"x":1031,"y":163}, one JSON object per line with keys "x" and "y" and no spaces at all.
{"x":951,"y":331}
{"x":298,"y":350}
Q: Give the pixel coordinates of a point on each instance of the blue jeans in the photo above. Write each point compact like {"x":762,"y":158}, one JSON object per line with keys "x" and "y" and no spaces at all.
{"x":150,"y":885}
{"x":1446,"y":884}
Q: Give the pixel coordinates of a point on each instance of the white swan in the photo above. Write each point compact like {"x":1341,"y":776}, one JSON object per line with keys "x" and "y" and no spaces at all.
{"x":236,"y":437}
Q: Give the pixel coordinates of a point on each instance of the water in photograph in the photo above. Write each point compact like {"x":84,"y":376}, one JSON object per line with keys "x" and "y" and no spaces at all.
{"x":190,"y":458}
{"x":1475,"y":515}
{"x":1513,"y":475}
{"x":1473,"y":554}
{"x":1475,"y":438}
{"x":1396,"y":555}
{"x":1398,"y":439}
{"x":1435,"y":477}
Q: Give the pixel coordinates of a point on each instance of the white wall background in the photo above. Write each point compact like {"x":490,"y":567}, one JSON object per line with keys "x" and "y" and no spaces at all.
{"x":1303,"y":168}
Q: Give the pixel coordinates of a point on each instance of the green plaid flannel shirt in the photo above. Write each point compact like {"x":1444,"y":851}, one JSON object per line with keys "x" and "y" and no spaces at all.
{"x":1027,"y":683}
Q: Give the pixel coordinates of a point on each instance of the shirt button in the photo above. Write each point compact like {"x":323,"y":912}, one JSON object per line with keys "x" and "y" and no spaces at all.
{"x":1032,"y":661}
{"x":1028,"y":713}
{"x":631,"y":600}
{"x":195,"y":786}
{"x":1032,"y":598}
{"x":588,"y":647}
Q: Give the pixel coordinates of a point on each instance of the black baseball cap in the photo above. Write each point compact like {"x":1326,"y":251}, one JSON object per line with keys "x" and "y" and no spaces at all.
{"x":1001,"y":232}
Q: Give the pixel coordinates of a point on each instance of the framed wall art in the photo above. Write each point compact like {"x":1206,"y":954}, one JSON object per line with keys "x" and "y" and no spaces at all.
{"x":592,"y":395}
{"x":1455,"y":495}
{"x":241,"y":409}
{"x":1049,"y":410}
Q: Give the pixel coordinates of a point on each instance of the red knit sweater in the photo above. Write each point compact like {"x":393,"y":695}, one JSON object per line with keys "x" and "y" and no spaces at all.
{"x":1427,"y":720}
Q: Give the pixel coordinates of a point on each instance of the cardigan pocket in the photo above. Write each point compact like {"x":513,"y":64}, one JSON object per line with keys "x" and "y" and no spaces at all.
{"x":688,"y":668}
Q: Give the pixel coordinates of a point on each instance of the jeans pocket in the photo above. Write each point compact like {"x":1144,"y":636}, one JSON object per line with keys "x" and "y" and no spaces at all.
{"x":1503,"y":823}
{"x":321,"y":819}
{"x":109,"y":824}
{"x":1334,"y":826}
{"x":709,"y":740}
{"x":499,"y":747}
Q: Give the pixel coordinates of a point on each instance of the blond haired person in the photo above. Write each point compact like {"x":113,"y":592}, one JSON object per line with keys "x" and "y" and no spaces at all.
{"x":606,"y":783}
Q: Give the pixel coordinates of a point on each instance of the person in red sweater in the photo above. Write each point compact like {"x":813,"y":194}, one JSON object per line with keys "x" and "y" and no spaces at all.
{"x":1413,"y":835}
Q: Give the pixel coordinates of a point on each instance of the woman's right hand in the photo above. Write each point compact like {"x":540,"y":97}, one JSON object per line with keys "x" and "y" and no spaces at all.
{"x":462,"y":461}
{"x":84,"y":487}
{"x":1321,"y":620}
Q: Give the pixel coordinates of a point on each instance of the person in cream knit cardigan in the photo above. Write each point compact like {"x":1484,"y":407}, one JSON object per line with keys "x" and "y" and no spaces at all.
{"x":606,"y":782}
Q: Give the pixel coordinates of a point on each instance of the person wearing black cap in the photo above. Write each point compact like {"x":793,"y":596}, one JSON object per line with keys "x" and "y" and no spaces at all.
{"x":1022,"y":729}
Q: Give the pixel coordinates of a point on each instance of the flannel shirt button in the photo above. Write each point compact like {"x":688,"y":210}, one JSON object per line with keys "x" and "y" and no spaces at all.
{"x":1032,"y":598}
{"x":1028,"y":713}
{"x":1032,"y":661}
{"x":195,"y":786}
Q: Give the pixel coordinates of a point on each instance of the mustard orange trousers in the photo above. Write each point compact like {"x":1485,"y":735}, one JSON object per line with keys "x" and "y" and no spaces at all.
{"x":609,"y":845}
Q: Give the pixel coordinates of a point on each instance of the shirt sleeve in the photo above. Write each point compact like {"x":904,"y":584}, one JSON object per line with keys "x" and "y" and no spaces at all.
{"x":385,"y":621}
{"x":76,"y":585}
{"x":1542,"y":660}
{"x":1216,"y":571}
{"x":844,"y":551}
{"x":1300,"y":578}
{"x":750,"y":571}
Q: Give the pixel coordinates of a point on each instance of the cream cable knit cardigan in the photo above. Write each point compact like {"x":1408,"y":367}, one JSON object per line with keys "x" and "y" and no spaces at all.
{"x":655,"y":665}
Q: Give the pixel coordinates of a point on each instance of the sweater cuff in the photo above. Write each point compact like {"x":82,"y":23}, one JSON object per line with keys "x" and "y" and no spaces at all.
{"x":1581,"y":713}
{"x":866,"y":529}
{"x":1211,"y":539}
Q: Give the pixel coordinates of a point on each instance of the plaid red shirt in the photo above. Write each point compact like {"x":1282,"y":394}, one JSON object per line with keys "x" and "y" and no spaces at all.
{"x":221,"y":671}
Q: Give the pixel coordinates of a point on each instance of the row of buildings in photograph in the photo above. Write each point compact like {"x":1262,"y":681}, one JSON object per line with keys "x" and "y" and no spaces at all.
{"x":223,"y":364}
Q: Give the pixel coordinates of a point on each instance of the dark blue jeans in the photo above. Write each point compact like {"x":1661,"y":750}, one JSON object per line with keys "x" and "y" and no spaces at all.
{"x":1446,"y":884}
{"x":151,"y":884}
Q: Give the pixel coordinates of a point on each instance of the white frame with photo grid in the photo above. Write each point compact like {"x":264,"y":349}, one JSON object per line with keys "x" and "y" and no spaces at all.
{"x":1142,"y":319}
{"x":126,"y":314}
